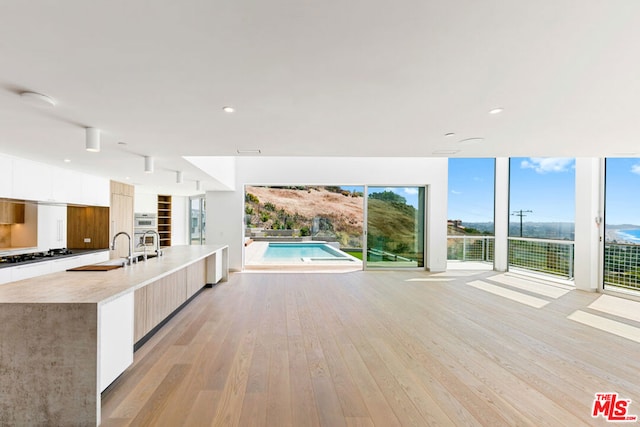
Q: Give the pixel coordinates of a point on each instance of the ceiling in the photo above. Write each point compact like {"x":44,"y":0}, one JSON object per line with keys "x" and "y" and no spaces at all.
{"x":330,"y":78}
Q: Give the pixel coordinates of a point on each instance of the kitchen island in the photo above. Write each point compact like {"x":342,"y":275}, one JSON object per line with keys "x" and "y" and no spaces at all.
{"x":64,"y":337}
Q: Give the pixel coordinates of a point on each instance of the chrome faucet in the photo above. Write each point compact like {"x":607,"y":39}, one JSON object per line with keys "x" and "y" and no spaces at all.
{"x":158,"y":251}
{"x":113,"y":245}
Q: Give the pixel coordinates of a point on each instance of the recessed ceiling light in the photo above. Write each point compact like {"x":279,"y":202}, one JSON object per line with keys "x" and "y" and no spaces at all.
{"x":250,"y":151}
{"x":67,"y":160}
{"x":446,"y":151}
{"x":37,"y":99}
{"x":471,"y":141}
{"x":228,"y":109}
{"x":449,"y":134}
{"x":127,"y":178}
{"x":496,"y":111}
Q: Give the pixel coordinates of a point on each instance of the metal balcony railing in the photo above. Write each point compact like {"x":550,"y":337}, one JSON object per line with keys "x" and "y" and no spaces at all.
{"x":622,"y":265}
{"x":470,"y":248}
{"x":542,"y":255}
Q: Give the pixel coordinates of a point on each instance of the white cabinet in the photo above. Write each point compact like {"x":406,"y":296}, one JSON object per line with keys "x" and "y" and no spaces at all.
{"x":6,"y":177}
{"x":66,"y":187}
{"x":96,"y":191}
{"x":28,"y":271}
{"x":115,"y":335}
{"x":5,"y":275}
{"x":143,"y":203}
{"x":63,"y":264}
{"x":52,"y":227}
{"x":95,"y":257}
{"x":31,"y":180}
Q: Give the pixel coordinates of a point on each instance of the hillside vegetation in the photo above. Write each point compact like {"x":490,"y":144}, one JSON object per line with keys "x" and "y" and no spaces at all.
{"x":338,"y":215}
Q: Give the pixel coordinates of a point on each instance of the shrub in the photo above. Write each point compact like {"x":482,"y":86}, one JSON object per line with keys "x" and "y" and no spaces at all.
{"x":270,"y":206}
{"x":250,"y":198}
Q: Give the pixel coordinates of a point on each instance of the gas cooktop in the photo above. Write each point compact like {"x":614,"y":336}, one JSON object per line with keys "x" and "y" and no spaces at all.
{"x":34,"y":256}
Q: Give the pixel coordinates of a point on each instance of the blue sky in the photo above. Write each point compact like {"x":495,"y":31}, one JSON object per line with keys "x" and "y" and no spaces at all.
{"x":622,"y":203}
{"x":471,"y":189}
{"x":545,"y":186}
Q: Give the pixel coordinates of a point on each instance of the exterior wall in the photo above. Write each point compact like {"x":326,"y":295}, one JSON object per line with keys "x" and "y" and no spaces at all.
{"x":589,"y":230}
{"x":501,"y":220}
{"x":224,"y":208}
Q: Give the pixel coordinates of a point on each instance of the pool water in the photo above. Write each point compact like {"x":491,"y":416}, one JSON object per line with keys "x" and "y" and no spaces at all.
{"x":302,"y":250}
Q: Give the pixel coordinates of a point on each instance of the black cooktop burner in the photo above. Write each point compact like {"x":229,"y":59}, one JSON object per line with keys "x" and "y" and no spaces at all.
{"x":14,"y":259}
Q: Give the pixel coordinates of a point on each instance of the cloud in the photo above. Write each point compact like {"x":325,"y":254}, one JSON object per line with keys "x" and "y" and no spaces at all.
{"x":456,"y":192}
{"x":547,"y":164}
{"x":411,"y":191}
{"x":636,"y":169}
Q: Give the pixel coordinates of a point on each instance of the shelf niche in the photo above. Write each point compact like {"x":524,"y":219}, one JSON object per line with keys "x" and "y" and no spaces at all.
{"x":164,"y":220}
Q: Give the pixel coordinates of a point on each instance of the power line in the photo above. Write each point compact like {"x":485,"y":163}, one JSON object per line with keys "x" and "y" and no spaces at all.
{"x":521,"y":213}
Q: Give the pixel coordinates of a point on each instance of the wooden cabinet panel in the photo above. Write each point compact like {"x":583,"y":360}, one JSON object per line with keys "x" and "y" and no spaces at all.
{"x":196,"y":278}
{"x":141,"y":318}
{"x":121,"y":216}
{"x":157,"y":300}
{"x":11,"y":213}
{"x":88,"y":222}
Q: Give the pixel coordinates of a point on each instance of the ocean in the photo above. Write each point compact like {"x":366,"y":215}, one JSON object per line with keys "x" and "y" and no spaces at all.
{"x":629,"y":235}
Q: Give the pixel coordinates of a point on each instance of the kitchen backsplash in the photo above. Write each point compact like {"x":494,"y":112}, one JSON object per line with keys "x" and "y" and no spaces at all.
{"x":5,"y":235}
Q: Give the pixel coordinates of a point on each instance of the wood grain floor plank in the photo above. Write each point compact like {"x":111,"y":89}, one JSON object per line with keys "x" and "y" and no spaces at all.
{"x":374,"y":348}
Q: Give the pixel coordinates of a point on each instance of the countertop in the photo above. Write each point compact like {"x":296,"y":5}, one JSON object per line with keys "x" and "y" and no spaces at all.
{"x":102,"y":286}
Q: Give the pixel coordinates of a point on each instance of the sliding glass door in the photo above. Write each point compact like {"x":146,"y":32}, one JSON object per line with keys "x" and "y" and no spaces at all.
{"x":395,"y":222}
{"x":197,"y":218}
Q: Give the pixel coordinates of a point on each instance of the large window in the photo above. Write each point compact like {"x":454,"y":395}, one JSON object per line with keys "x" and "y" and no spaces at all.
{"x":622,"y":224}
{"x":470,"y":225}
{"x":542,"y":212}
{"x":395,"y":227}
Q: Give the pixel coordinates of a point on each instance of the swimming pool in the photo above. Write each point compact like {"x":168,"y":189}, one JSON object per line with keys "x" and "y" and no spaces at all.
{"x":304,"y":251}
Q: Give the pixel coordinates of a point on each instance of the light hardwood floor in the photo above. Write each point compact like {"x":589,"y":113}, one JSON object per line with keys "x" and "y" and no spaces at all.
{"x":379,"y":349}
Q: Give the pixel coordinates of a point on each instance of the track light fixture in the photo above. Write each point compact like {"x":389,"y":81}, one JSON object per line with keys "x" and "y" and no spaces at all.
{"x":148,"y":164}
{"x":92,"y":143}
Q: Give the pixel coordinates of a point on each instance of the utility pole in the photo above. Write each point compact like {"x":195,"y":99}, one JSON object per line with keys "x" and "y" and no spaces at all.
{"x":520,"y":213}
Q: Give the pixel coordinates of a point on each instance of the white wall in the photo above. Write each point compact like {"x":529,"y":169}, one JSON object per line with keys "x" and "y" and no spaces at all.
{"x":225,"y":208}
{"x":179,"y":220}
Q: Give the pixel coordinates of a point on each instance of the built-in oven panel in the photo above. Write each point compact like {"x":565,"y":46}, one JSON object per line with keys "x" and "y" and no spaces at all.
{"x":146,"y":221}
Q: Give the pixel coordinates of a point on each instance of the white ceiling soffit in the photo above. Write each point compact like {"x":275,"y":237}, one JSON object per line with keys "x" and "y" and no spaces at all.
{"x":331,"y":78}
{"x":221,"y":170}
